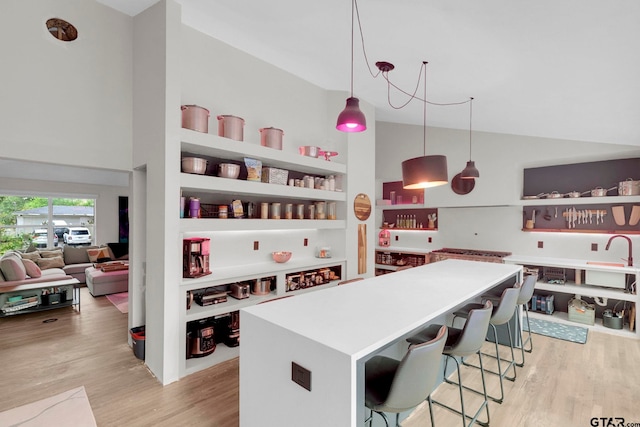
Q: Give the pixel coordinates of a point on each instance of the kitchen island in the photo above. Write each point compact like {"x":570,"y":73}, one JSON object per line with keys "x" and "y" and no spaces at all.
{"x":333,"y":332}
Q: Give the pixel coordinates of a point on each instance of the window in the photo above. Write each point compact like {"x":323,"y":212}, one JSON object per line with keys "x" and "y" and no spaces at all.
{"x":27,"y":220}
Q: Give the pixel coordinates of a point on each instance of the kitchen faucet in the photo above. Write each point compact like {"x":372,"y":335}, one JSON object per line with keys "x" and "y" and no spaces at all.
{"x":630,"y":259}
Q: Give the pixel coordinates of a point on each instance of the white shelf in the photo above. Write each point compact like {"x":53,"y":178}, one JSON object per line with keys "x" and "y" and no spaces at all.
{"x":587,"y":291}
{"x":581,"y":201}
{"x":215,"y":146}
{"x":562,"y":317}
{"x":224,"y":275}
{"x":403,"y":250}
{"x":197,"y":312}
{"x":403,"y":206}
{"x":221,"y":354}
{"x":387,"y":267}
{"x":239,"y":187}
{"x":200,"y":225}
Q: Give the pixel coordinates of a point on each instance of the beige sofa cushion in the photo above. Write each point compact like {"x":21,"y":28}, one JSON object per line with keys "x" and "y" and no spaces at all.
{"x":30,"y":255}
{"x":50,"y":253}
{"x":52,"y":262}
{"x":12,"y":267}
{"x":76,"y":255}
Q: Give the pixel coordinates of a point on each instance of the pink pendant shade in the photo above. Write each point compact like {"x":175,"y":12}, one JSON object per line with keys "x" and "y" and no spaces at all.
{"x":351,"y":119}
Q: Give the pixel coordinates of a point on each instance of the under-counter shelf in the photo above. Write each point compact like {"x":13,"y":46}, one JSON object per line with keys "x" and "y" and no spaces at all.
{"x":212,"y":145}
{"x":587,"y":291}
{"x":221,"y":354}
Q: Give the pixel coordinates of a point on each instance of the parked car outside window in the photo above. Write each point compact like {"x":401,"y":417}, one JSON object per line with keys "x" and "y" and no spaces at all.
{"x":77,"y":236}
{"x":59,"y":231}
{"x":41,"y":239}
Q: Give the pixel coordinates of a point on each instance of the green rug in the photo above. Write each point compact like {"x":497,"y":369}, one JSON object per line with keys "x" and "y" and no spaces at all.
{"x":577,"y":334}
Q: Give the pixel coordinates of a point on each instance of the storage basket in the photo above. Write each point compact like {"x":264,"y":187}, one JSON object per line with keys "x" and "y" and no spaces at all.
{"x":582,"y":312}
{"x":274,"y":175}
{"x":554,"y":275}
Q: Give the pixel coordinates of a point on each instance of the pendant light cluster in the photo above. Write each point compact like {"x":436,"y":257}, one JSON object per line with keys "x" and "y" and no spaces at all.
{"x":418,"y":172}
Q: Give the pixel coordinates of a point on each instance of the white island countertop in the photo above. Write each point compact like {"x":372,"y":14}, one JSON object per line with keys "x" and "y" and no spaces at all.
{"x":333,"y":331}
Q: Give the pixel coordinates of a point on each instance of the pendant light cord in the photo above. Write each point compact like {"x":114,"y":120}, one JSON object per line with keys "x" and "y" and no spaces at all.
{"x":353,"y":8}
{"x":470,"y":120}
{"x":424,"y":108}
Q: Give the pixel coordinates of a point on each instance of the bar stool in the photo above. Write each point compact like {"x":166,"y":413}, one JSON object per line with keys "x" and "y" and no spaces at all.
{"x":502,"y":313}
{"x":526,"y":293}
{"x":461,"y":343}
{"x":400,"y":385}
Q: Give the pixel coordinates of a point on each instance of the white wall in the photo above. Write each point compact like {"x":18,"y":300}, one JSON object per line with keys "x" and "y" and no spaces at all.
{"x":106,"y":209}
{"x":66,"y":103}
{"x":490,"y":217}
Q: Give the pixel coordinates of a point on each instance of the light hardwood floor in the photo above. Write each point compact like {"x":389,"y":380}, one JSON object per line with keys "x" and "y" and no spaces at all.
{"x":562,"y":384}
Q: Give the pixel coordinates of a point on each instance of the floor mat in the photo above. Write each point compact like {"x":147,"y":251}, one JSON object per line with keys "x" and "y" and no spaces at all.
{"x":71,"y":409}
{"x":121,"y":301}
{"x":577,"y":334}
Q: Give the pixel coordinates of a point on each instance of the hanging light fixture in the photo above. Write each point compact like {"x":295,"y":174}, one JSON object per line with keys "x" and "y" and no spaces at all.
{"x":470,"y":171}
{"x":351,"y":119}
{"x":425,"y":171}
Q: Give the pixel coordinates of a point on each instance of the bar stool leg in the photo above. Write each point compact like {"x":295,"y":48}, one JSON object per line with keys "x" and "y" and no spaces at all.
{"x":485,"y":404}
{"x":523,"y":342}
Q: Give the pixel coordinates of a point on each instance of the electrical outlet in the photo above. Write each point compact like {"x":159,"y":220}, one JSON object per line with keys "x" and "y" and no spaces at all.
{"x":540,"y":244}
{"x":256,"y":245}
{"x":429,"y":240}
{"x":594,"y":247}
{"x":306,"y":242}
{"x":397,"y":238}
{"x":301,"y":376}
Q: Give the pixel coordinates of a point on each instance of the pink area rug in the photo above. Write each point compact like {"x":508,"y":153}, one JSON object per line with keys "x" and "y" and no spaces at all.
{"x":71,"y":409}
{"x":121,"y":301}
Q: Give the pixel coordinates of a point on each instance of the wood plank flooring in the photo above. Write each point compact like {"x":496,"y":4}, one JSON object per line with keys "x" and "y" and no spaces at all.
{"x":562,"y":384}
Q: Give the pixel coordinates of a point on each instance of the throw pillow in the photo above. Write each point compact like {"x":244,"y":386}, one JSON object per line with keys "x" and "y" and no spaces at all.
{"x":119,"y":251}
{"x":31,"y":268}
{"x":98,"y":254}
{"x":53,"y":262}
{"x":50,"y":253}
{"x":12,"y":267}
{"x":30,"y":255}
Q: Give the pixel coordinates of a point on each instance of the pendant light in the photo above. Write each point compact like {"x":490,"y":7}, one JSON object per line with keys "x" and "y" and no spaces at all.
{"x":470,"y":171}
{"x":425,"y":171}
{"x":351,"y":119}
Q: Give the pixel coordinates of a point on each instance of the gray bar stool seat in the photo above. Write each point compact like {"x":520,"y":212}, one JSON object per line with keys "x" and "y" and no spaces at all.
{"x":400,"y":385}
{"x":461,"y":343}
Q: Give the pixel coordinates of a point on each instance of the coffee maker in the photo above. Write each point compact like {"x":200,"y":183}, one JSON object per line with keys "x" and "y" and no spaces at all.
{"x":195,"y":262}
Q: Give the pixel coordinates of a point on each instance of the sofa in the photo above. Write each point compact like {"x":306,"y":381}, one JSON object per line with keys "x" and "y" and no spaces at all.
{"x":68,"y":262}
{"x":16,"y":271}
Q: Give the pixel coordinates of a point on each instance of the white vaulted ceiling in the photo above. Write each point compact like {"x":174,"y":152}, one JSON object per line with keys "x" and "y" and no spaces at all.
{"x":566,"y":69}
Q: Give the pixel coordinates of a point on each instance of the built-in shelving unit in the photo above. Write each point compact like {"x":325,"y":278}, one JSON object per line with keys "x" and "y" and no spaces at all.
{"x":390,"y":259}
{"x":576,"y":269}
{"x":219,"y":189}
